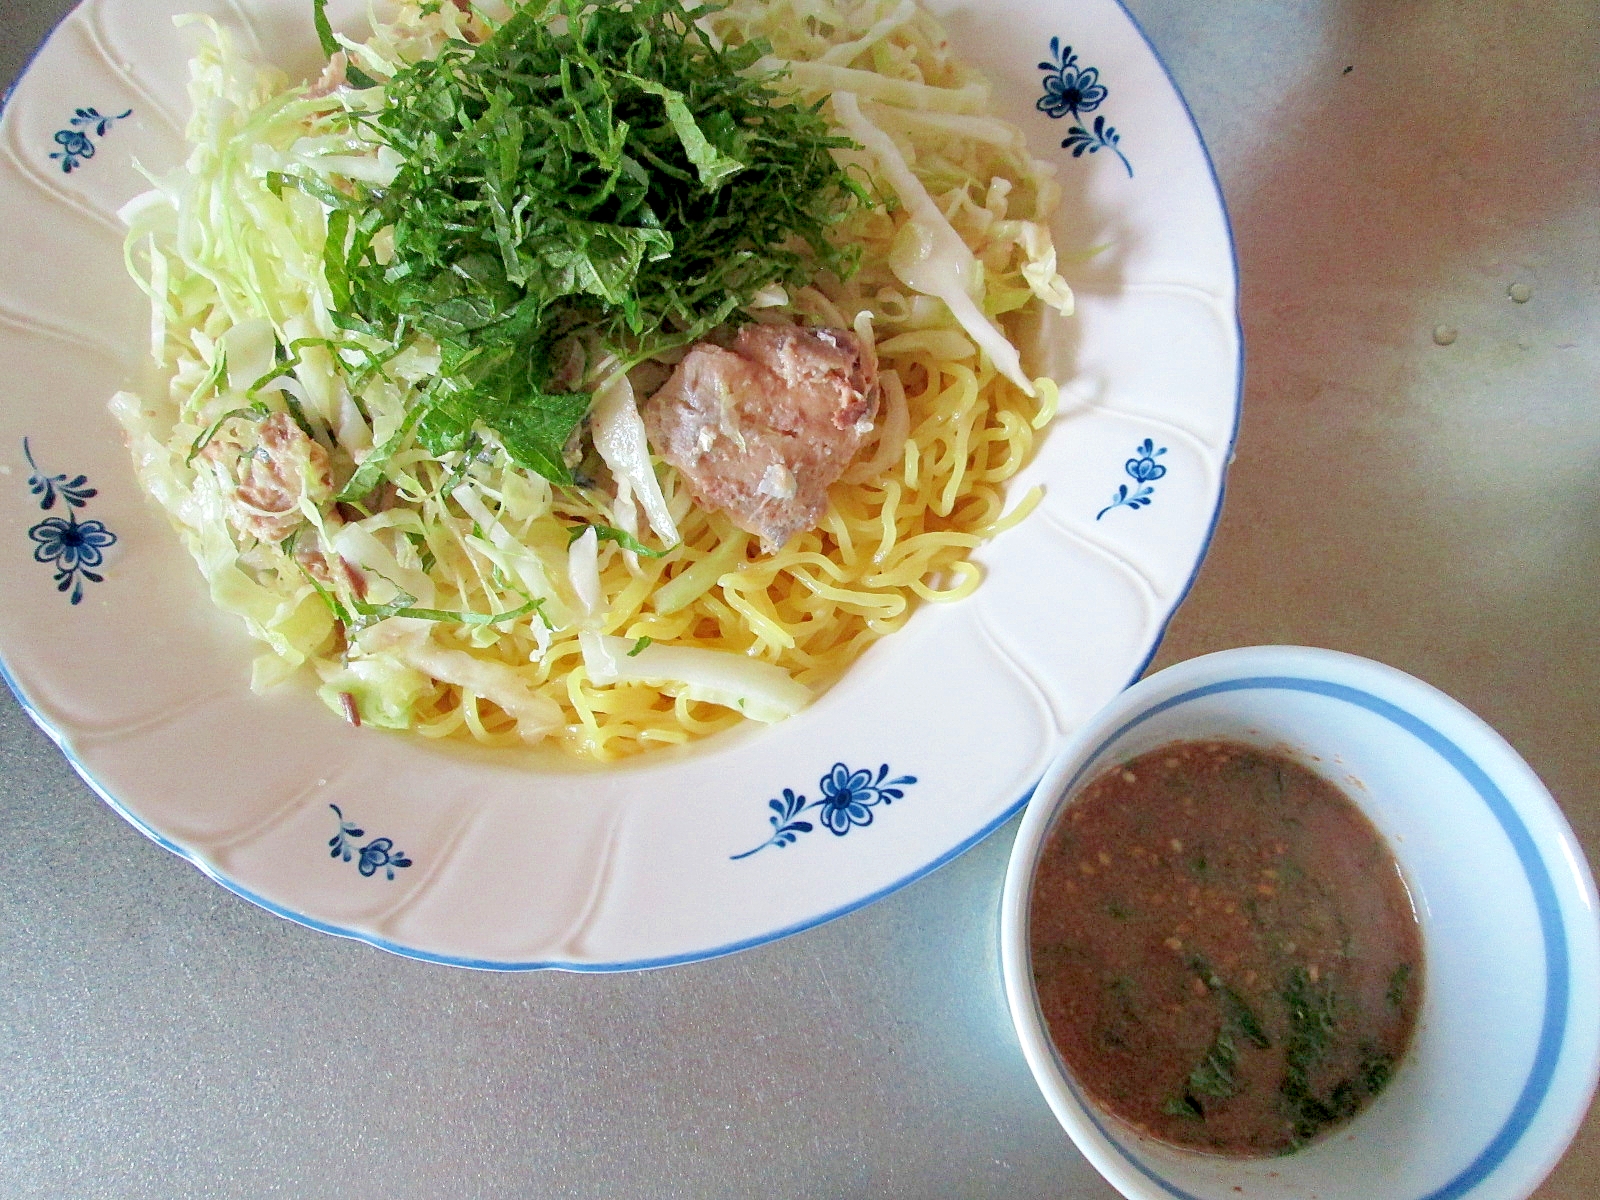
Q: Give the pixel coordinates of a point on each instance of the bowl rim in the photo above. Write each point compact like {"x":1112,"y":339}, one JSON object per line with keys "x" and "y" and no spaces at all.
{"x":1513,"y":792}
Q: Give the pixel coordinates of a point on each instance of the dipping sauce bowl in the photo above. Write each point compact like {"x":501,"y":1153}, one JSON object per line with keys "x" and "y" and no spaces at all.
{"x":1506,"y":1053}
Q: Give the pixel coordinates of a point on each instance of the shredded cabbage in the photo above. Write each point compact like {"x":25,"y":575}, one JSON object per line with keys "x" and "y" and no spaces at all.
{"x":756,"y":689}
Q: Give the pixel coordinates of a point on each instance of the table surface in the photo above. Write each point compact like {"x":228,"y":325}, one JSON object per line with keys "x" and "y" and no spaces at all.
{"x":1389,"y":168}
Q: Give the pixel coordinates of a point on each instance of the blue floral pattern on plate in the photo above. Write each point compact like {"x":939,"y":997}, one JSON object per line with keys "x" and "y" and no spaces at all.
{"x":76,"y":144}
{"x":1074,"y":90}
{"x":74,"y":548}
{"x":1144,"y":470}
{"x":847,"y":800}
{"x":377,"y":855}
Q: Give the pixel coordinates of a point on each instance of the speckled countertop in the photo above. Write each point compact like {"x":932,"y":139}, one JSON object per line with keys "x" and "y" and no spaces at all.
{"x":1415,"y":190}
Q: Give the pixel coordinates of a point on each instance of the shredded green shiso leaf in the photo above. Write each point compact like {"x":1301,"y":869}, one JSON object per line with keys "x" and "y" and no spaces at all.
{"x":606,"y":171}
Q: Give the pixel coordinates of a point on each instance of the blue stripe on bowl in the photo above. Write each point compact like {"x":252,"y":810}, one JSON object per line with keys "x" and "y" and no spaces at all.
{"x":1557,"y":968}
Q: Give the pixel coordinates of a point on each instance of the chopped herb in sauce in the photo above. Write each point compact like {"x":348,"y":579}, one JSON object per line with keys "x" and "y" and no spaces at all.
{"x":1398,"y":979}
{"x":1224,"y":950}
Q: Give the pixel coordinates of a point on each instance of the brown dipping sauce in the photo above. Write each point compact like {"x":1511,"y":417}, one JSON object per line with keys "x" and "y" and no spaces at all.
{"x":1224,"y":951}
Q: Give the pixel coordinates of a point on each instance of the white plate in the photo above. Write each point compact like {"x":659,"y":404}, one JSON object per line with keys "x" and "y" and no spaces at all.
{"x":493,"y":860}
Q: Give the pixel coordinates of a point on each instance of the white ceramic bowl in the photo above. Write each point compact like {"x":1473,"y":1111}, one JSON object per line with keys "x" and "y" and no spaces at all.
{"x":1507,"y":1049}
